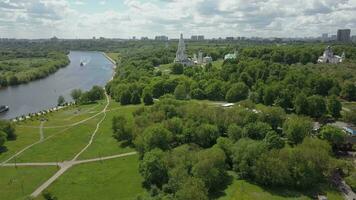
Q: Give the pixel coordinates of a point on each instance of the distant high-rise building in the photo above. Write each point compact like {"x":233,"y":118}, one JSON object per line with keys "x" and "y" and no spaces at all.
{"x":333,"y":37}
{"x":343,"y":35}
{"x":134,"y":37}
{"x":201,"y":37}
{"x":144,"y":38}
{"x":197,"y":37}
{"x":229,"y":38}
{"x":353,"y":38}
{"x":325,"y":37}
{"x":161,"y":38}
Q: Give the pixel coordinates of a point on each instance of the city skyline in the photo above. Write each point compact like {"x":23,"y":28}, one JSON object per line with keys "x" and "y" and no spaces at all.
{"x":35,"y":19}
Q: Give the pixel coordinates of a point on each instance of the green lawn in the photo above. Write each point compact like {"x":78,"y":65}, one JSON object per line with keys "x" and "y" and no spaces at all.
{"x":104,"y":143}
{"x":243,"y":190}
{"x":63,"y":145}
{"x":114,"y":56}
{"x":18,"y":183}
{"x":166,"y":68}
{"x":25,"y":137}
{"x":112,"y":179}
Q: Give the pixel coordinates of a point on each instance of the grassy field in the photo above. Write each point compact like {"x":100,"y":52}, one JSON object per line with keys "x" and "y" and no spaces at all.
{"x":107,"y":180}
{"x":104,"y":143}
{"x":114,"y":56}
{"x":63,"y":145}
{"x":243,"y":190}
{"x":17,"y":183}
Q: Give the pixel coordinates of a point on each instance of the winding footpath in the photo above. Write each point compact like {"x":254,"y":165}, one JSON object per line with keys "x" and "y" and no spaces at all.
{"x":64,"y":166}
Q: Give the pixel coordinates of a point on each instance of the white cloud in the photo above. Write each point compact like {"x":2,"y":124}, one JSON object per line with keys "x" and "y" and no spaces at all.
{"x":44,"y":18}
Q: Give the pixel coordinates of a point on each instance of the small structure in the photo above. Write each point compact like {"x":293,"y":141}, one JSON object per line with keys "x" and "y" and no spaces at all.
{"x":231,"y":56}
{"x":329,"y":57}
{"x":207,"y":59}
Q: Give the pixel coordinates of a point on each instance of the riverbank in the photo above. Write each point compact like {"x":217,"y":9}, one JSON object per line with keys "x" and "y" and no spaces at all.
{"x":43,"y":94}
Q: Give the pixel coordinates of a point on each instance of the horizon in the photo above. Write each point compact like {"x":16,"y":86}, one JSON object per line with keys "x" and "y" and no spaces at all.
{"x":79,"y":19}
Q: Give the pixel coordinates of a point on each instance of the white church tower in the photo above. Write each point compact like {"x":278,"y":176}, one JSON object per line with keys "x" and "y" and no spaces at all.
{"x":181,"y":56}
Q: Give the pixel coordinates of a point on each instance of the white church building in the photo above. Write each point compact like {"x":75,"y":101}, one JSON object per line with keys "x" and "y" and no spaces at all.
{"x":329,"y":57}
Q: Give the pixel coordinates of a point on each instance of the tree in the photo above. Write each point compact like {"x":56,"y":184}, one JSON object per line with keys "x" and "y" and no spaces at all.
{"x":210,"y":167}
{"x":234,"y":132}
{"x":245,"y":155}
{"x":301,"y":104}
{"x":333,"y":135}
{"x":147,"y":97}
{"x":297,"y":128}
{"x":192,"y":189}
{"x":316,"y":106}
{"x":274,"y":116}
{"x":271,"y":170}
{"x":8,"y":128}
{"x":126,"y":97}
{"x":197,"y":94}
{"x":76,"y":94}
{"x":60,"y":100}
{"x":153,"y":169}
{"x":180,"y":92}
{"x":121,"y":128}
{"x":205,"y":135}
{"x":349,"y":91}
{"x":2,"y":139}
{"x":334,"y":106}
{"x":48,"y":196}
{"x":177,"y":68}
{"x":135,"y":99}
{"x":96,"y":93}
{"x":155,"y":136}
{"x":273,"y":140}
{"x":257,"y":130}
{"x":237,"y":92}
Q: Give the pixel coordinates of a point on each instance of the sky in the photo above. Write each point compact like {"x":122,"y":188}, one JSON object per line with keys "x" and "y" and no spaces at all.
{"x":212,"y":18}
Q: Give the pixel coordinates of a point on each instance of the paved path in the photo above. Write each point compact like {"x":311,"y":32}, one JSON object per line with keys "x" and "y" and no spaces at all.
{"x":62,"y":164}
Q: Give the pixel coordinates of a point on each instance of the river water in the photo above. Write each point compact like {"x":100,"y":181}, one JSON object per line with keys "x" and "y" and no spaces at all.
{"x":43,"y":94}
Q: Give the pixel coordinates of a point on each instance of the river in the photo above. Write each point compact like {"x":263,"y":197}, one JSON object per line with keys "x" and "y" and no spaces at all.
{"x":43,"y":94}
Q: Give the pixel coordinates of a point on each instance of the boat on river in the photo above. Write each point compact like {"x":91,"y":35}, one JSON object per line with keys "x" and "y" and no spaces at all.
{"x":4,"y":108}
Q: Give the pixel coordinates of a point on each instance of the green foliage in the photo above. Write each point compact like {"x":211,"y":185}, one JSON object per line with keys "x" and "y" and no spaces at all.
{"x":8,"y":128}
{"x":60,"y":100}
{"x":333,"y":135}
{"x":2,"y":139}
{"x":274,"y":141}
{"x":135,"y":99}
{"x":257,"y":130}
{"x":210,"y":167}
{"x":235,"y":132}
{"x":76,"y":94}
{"x":237,"y":92}
{"x":301,"y":104}
{"x":125,"y":97}
{"x":192,"y":189}
{"x":297,"y":128}
{"x":334,"y":106}
{"x":122,"y":129}
{"x":205,"y":135}
{"x":245,"y":155}
{"x":153,"y":137}
{"x":316,"y":106}
{"x":147,"y":97}
{"x":177,"y":68}
{"x":180,"y":92}
{"x":95,"y":94}
{"x":349,"y":91}
{"x":153,"y":168}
